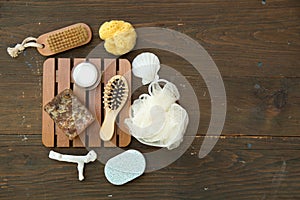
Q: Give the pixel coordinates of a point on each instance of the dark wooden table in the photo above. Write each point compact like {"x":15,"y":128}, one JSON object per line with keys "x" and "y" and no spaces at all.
{"x":256,"y":47}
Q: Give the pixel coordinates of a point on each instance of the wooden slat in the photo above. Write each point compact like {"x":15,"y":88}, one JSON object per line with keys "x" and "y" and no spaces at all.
{"x":48,"y":94}
{"x":94,"y":106}
{"x":122,"y":131}
{"x":110,"y":71}
{"x":63,"y":80}
{"x":81,"y":94}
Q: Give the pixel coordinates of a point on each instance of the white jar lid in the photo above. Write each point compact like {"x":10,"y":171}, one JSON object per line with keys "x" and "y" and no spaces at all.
{"x":85,"y":74}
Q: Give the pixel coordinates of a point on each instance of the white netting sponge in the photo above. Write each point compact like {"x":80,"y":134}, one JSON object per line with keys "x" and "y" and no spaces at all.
{"x":156,"y":119}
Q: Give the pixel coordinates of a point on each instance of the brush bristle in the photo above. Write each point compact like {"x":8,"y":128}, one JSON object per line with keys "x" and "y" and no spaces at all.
{"x":68,"y":39}
{"x":115,"y":93}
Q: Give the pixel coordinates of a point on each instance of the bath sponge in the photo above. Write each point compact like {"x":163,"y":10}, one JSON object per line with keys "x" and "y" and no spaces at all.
{"x":119,"y":36}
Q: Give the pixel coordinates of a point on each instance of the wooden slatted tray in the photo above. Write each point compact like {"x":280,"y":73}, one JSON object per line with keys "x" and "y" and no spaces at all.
{"x":57,"y":77}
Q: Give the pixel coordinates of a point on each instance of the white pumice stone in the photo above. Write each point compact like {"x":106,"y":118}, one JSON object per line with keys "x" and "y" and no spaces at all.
{"x":125,"y":167}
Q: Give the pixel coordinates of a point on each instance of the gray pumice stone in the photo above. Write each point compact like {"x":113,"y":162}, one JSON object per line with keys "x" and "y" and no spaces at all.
{"x":125,"y":167}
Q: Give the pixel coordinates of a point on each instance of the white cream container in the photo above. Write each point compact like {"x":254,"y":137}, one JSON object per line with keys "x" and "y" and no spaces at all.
{"x":86,"y":75}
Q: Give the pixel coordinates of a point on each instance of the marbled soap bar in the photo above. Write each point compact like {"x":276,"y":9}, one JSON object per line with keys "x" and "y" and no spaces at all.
{"x":69,"y":114}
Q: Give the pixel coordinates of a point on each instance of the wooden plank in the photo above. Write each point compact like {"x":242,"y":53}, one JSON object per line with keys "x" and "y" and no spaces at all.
{"x":252,"y":143}
{"x":94,"y":106}
{"x":122,"y":131}
{"x":63,"y":81}
{"x":237,"y":168}
{"x":48,"y":94}
{"x":110,"y":71}
{"x":81,"y":94}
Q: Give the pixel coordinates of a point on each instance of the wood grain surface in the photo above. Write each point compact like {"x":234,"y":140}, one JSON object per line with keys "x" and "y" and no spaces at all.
{"x":256,"y":47}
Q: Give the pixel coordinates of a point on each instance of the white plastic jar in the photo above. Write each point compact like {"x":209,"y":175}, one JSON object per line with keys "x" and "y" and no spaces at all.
{"x":86,"y":75}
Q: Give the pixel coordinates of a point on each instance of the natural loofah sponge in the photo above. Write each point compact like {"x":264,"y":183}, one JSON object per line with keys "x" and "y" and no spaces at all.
{"x":119,"y":36}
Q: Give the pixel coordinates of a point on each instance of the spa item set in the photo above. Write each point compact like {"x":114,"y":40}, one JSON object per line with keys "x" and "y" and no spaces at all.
{"x":154,"y":118}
